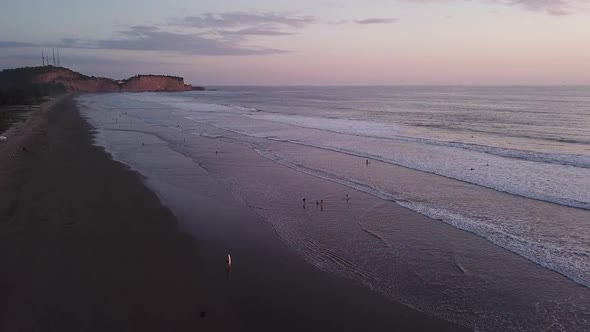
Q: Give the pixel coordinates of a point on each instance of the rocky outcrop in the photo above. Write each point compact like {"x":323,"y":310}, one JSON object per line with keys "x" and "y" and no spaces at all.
{"x":97,"y":84}
{"x":154,"y":83}
{"x":74,"y":81}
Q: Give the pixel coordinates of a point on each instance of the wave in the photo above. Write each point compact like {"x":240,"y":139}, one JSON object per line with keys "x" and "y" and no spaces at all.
{"x":498,"y":186}
{"x":508,"y":134}
{"x":553,"y":258}
{"x":483,"y":180}
{"x":542,"y":157}
{"x":371,"y":129}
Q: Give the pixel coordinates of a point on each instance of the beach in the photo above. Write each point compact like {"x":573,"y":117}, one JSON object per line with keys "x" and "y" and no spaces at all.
{"x":85,"y":245}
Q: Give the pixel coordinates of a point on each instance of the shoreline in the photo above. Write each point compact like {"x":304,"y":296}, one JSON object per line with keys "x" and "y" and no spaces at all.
{"x":84,"y":244}
{"x":88,"y":246}
{"x":405,"y":255}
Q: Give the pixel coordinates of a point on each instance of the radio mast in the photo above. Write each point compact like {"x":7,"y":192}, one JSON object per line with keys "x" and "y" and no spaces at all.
{"x":42,"y":58}
{"x":58,"y":63}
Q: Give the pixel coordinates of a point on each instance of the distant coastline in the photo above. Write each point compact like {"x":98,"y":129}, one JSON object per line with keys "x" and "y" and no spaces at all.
{"x":28,"y":85}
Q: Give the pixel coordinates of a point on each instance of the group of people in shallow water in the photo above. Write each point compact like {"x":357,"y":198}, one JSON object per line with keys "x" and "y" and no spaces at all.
{"x":320,"y":202}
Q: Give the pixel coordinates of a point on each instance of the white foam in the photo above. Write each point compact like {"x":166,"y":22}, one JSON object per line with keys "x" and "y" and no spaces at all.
{"x":394,"y":132}
{"x":557,"y":183}
{"x":518,"y":172}
{"x":575,"y":265}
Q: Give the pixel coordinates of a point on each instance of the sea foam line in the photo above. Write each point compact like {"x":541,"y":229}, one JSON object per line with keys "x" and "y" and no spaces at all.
{"x":581,"y":161}
{"x":492,"y":233}
{"x":515,"y":190}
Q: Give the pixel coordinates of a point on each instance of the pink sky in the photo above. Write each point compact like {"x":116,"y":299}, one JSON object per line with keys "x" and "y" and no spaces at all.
{"x":312,"y":42}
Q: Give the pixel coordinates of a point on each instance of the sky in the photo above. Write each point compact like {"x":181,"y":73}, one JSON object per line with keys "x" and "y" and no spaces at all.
{"x":308,"y":42}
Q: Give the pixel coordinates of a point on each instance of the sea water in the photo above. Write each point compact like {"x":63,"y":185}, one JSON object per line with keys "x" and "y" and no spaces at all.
{"x":509,"y":164}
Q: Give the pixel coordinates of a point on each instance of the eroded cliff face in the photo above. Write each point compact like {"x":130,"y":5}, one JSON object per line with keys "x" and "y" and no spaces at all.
{"x":77,"y":82}
{"x":154,"y":83}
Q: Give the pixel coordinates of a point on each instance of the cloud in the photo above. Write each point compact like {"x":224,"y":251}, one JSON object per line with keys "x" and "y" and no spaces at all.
{"x":144,"y":28}
{"x":551,"y":7}
{"x":256,"y":32}
{"x":242,"y":19}
{"x":91,"y":60}
{"x":234,"y":24}
{"x":337,"y":22}
{"x":142,"y":38}
{"x":11,"y":44}
{"x":150,"y":38}
{"x":207,"y":34}
{"x":377,"y":21}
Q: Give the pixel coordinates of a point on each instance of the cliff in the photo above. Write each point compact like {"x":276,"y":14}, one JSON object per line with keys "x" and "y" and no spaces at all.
{"x":65,"y":79}
{"x":17,"y":87}
{"x":74,"y":81}
{"x":154,"y":83}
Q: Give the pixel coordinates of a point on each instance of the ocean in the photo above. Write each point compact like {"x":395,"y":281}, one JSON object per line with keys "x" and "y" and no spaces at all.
{"x":503,"y":173}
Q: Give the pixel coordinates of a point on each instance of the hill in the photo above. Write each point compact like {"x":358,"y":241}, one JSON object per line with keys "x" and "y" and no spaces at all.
{"x":28,"y":85}
{"x":17,"y":86}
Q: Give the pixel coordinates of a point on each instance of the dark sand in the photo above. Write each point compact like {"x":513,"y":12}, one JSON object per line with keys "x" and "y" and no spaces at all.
{"x":85,"y":246}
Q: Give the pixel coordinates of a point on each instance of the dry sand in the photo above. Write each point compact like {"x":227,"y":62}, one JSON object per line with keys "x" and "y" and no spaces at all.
{"x":83,"y":245}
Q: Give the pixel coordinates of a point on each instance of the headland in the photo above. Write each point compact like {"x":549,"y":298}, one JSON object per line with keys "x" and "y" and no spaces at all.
{"x":29,"y":84}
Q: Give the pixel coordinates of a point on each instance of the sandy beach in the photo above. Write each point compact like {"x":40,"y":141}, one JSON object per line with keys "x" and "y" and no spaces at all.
{"x":86,"y":246}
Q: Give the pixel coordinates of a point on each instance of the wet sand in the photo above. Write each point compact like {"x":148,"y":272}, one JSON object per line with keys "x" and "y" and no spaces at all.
{"x":85,"y":246}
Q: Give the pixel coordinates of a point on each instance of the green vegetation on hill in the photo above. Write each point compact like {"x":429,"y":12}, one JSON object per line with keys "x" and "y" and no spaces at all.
{"x":8,"y":117}
{"x":152,"y":75}
{"x":17,"y":87}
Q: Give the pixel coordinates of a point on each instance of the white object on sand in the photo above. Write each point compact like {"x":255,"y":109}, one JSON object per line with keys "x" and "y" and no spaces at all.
{"x":3,"y":138}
